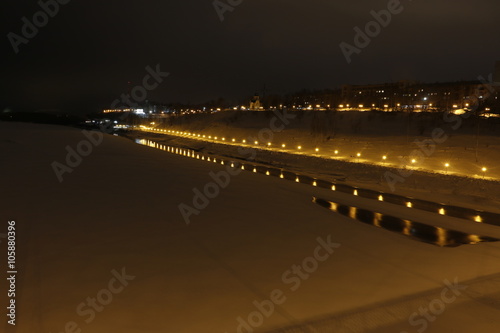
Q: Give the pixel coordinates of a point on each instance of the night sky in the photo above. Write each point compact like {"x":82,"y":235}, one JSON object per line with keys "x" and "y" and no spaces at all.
{"x":86,"y":54}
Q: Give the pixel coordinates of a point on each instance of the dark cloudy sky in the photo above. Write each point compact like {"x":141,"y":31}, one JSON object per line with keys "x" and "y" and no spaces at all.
{"x":84,"y":57}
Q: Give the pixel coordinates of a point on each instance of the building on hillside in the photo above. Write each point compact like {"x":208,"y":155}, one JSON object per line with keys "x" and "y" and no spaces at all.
{"x":416,"y":96}
{"x":255,"y":104}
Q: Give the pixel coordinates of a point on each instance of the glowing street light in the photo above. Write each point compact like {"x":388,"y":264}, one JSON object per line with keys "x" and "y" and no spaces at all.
{"x":336,"y":152}
{"x":283,"y":145}
{"x":269,"y":144}
{"x":384,"y":157}
{"x":317,"y":149}
{"x":256,"y":142}
{"x":299,"y":147}
{"x":358,"y":154}
{"x":413,"y":161}
{"x":447,"y":166}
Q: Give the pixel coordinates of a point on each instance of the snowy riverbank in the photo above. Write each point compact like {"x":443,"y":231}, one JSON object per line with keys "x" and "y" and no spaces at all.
{"x":330,"y":143}
{"x":112,"y":232}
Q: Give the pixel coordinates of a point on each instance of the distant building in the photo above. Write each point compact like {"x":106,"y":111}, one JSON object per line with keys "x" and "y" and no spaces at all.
{"x":255,"y":104}
{"x":414,"y":95}
{"x":133,"y":110}
{"x":417,"y":96}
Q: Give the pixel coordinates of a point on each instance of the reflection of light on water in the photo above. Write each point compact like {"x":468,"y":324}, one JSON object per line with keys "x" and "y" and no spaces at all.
{"x":407,"y":228}
{"x":441,"y":236}
{"x":416,"y":230}
{"x":352,"y":212}
{"x":478,"y":219}
{"x":474,"y":239}
{"x":442,"y":211}
{"x":377,"y":217}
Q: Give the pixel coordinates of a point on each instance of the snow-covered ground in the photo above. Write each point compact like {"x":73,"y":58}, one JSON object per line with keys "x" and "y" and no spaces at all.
{"x":119,"y":209}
